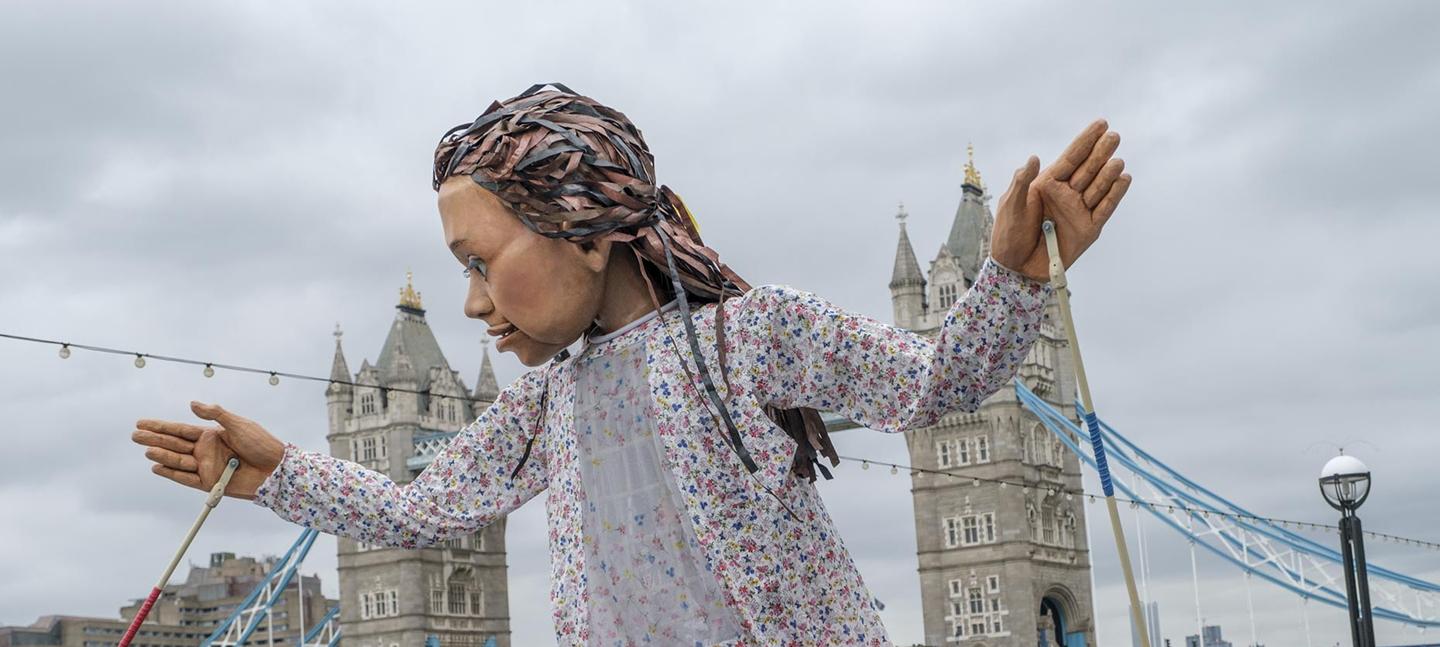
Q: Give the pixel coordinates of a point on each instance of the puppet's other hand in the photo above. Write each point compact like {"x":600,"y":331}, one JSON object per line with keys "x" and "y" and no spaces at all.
{"x":1079,"y":193}
{"x":195,"y":456}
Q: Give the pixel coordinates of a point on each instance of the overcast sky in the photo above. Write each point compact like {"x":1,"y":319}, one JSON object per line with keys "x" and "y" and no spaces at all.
{"x":226,"y":181}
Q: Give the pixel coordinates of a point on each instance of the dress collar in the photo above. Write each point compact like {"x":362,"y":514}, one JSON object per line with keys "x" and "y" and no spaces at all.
{"x":639,"y":321}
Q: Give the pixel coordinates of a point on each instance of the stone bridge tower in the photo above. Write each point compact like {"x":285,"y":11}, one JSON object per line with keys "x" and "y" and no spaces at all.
{"x":391,"y":597}
{"x":1000,"y":566}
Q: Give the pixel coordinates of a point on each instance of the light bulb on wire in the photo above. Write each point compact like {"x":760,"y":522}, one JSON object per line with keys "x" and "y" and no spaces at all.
{"x":274,"y":379}
{"x":65,"y":351}
{"x":139,"y":360}
{"x":209,"y":371}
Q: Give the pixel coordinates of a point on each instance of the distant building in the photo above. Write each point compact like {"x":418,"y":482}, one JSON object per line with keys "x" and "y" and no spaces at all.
{"x":392,"y":597}
{"x":80,"y":631}
{"x":188,"y":612}
{"x":999,"y":567}
{"x":1211,"y":635}
{"x":1152,"y":623}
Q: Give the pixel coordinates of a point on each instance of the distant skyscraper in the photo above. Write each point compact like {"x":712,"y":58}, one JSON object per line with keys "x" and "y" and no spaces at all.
{"x":389,"y":596}
{"x":1002,"y":567}
{"x":1212,"y":638}
{"x":1152,"y":622}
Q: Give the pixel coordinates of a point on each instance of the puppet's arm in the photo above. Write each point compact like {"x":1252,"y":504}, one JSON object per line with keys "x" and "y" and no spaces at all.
{"x":466,"y":486}
{"x":807,"y":352}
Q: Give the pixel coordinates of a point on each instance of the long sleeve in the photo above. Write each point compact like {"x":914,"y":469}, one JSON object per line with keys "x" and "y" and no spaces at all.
{"x":464,"y":488}
{"x":813,"y":354}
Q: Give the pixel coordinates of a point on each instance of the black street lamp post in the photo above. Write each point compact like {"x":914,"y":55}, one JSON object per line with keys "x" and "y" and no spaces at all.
{"x":1345,"y":483}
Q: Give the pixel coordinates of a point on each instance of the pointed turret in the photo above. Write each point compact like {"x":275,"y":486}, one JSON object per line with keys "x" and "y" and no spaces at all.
{"x":400,"y":370}
{"x":487,"y":388}
{"x":907,"y":269}
{"x":907,"y":283}
{"x":339,"y":396}
{"x":339,"y":369}
{"x":410,"y":349}
{"x":970,"y":232}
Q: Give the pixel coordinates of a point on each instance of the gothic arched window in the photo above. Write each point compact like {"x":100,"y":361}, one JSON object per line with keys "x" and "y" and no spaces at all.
{"x":949,"y":292}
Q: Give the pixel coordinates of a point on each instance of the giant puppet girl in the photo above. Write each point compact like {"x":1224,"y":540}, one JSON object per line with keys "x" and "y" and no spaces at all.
{"x":678,"y":446}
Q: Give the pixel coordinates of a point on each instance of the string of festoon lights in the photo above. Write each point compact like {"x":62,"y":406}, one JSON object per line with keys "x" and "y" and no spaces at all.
{"x":865,"y":463}
{"x":209,"y":371}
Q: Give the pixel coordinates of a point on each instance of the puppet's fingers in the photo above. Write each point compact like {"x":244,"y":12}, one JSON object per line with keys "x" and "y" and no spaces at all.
{"x":189,"y":479}
{"x":179,"y":429}
{"x":1101,"y":186}
{"x":1020,"y":191}
{"x":1078,"y":151}
{"x":172,"y":460}
{"x":1099,"y":156}
{"x":1106,"y":208}
{"x":166,"y":441}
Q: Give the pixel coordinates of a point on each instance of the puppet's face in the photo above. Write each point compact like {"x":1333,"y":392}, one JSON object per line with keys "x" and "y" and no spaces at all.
{"x":537,"y":293}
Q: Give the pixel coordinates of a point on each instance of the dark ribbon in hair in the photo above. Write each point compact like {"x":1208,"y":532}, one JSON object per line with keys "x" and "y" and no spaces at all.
{"x":572,"y":168}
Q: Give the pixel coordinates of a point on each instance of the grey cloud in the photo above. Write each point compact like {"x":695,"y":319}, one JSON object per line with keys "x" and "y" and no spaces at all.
{"x":228,"y":182}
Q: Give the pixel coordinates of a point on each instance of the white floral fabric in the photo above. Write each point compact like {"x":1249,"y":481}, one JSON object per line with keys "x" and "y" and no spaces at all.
{"x":643,"y":492}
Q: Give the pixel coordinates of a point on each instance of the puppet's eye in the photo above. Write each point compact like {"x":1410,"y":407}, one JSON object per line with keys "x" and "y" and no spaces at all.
{"x":475,"y":264}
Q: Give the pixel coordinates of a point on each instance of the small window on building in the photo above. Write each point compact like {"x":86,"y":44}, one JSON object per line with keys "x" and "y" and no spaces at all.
{"x":458,"y":600}
{"x":952,"y":532}
{"x":964,"y":451}
{"x":971,"y":531}
{"x":993,"y":583}
{"x":982,"y":449}
{"x":942,"y":449}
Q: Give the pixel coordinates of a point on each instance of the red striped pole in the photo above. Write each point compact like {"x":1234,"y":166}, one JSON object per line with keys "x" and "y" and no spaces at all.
{"x":216,"y":493}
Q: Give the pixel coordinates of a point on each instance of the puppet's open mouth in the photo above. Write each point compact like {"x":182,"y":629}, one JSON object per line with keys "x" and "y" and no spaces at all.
{"x":502,"y":332}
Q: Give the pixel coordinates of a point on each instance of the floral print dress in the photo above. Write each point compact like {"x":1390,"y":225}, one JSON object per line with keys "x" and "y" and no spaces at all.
{"x":657,"y":533}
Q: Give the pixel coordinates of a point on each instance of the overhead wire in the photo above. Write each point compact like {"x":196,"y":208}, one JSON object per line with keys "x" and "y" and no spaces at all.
{"x":895,"y":467}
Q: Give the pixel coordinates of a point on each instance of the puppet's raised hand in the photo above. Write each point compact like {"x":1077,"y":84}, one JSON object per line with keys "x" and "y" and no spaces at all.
{"x":1079,"y":192}
{"x":195,"y":456}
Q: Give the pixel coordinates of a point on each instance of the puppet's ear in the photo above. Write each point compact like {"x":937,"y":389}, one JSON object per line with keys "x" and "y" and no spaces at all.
{"x":595,"y":254}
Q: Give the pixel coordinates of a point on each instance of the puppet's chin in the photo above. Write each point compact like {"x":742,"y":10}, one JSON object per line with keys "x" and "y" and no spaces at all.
{"x":529,"y":351}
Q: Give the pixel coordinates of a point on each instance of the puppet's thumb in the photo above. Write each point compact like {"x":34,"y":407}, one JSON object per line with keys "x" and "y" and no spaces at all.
{"x":210,"y":411}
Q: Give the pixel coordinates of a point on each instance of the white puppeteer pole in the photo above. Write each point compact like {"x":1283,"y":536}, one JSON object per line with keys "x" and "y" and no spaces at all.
{"x":1057,"y":280}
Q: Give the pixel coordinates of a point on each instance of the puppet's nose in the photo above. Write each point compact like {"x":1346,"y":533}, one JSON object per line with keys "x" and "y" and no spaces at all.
{"x":477,"y":301}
